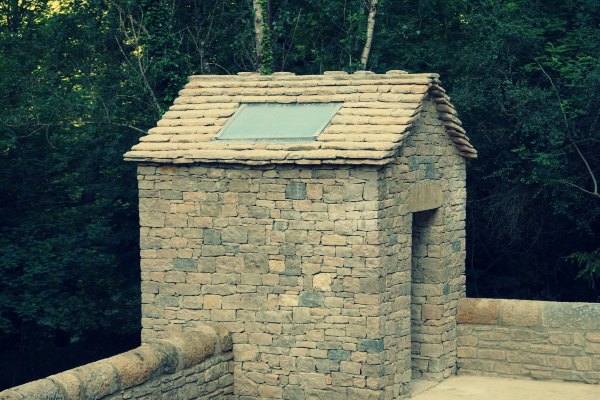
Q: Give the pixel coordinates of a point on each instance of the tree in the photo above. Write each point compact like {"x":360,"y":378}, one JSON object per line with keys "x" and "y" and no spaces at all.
{"x":370,"y":29}
{"x":81,"y":81}
{"x":262,"y":34}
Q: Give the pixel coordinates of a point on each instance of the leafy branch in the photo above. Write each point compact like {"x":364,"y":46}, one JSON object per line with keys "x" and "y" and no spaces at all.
{"x":594,"y":192}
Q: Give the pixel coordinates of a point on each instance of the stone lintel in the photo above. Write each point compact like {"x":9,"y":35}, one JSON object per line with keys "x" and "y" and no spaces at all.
{"x":425,"y":195}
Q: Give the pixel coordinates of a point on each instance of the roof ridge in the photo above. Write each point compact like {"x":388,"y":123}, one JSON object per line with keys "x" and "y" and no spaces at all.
{"x":396,"y":74}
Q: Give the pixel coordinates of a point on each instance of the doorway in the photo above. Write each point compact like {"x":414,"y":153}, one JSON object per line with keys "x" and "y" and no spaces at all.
{"x":421,"y":337}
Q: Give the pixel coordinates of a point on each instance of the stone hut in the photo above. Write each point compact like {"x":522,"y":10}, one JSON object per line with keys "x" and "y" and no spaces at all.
{"x":320,"y":219}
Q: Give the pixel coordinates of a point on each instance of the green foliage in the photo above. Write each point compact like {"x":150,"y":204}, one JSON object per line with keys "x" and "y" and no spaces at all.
{"x":589,"y":264}
{"x":80,"y":81}
{"x":266,"y":57}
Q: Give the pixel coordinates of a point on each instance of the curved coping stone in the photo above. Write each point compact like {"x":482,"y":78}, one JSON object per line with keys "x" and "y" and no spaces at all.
{"x":529,"y":313}
{"x":110,"y":375}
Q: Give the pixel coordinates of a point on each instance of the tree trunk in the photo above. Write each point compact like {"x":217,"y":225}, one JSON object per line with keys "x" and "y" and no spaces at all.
{"x":370,"y":28}
{"x":259,"y":31}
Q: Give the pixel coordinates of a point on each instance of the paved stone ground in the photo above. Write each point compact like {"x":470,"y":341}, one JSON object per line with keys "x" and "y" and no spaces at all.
{"x":479,"y":387}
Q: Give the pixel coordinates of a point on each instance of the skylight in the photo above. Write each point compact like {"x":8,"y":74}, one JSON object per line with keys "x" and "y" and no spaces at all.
{"x":278,"y":122}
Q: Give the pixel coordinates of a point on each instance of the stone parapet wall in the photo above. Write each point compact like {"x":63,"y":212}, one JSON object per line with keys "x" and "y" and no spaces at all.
{"x":192,"y":365}
{"x":529,"y":339}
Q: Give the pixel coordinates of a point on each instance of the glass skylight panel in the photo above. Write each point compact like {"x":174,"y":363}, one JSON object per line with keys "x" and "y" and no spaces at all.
{"x":278,"y":122}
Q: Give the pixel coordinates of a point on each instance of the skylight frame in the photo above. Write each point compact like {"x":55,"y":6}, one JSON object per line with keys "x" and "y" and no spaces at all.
{"x":335,"y":108}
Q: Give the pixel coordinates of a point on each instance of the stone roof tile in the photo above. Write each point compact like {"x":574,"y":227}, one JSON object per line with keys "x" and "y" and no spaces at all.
{"x":376,"y":114}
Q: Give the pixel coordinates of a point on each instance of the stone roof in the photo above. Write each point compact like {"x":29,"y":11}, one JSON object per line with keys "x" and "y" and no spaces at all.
{"x":376,"y":115}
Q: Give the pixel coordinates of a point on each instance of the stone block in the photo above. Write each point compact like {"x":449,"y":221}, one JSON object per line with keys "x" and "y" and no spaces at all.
{"x":311,"y":299}
{"x":541,"y":374}
{"x":464,"y":340}
{"x":256,"y":263}
{"x":324,"y":365}
{"x":333,"y":194}
{"x":431,"y":270}
{"x":301,"y":315}
{"x":244,"y":386}
{"x":40,"y":389}
{"x":322,"y":282}
{"x":234,"y":234}
{"x":276,"y":265}
{"x":338,"y":355}
{"x":370,"y":345}
{"x":478,"y":311}
{"x":558,"y":339}
{"x":99,"y":379}
{"x":583,"y":363}
{"x":185,"y":264}
{"x":212,"y":251}
{"x":353,"y":191}
{"x":232,"y":302}
{"x":593,"y":337}
{"x":495,"y":334}
{"x":563,"y":375}
{"x":431,"y":311}
{"x":295,"y":191}
{"x":212,"y":301}
{"x":334,"y":240}
{"x":167,"y":301}
{"x":350,"y":367}
{"x":260,"y":338}
{"x":366,"y":250}
{"x":572,"y":316}
{"x":274,"y":316}
{"x":467,"y":352}
{"x":187,"y":289}
{"x":305,"y":364}
{"x":592,"y":348}
{"x":424,"y":195}
{"x":524,"y":357}
{"x":543,"y":349}
{"x":152,"y":220}
{"x":176,"y":220}
{"x":245,"y":352}
{"x":314,"y":191}
{"x":508,"y":368}
{"x":528,"y":335}
{"x":222,"y":315}
{"x":519,"y":313}
{"x":270,"y":392}
{"x":293,"y":266}
{"x":491,"y":354}
{"x":212,"y":236}
{"x":369,"y":285}
{"x":310,"y":380}
{"x":475,"y":364}
{"x":363,"y":394}
{"x":431,"y":350}
{"x":293,"y":392}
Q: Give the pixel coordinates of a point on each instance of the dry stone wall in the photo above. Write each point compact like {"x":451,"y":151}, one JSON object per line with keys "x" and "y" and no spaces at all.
{"x":437,"y":250}
{"x":308,"y":267}
{"x":529,"y":339}
{"x":194,"y":365}
{"x":286,"y":258}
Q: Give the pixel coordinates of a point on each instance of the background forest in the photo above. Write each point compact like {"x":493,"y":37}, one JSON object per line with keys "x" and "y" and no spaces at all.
{"x":81,"y":81}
